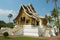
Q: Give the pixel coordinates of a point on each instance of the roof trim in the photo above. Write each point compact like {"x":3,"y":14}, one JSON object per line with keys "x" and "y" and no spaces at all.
{"x":34,"y":15}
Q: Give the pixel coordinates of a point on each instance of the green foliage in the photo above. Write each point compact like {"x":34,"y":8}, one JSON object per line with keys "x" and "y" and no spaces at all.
{"x":5,"y":34}
{"x":49,"y":19}
{"x":2,"y":24}
{"x":10,"y":25}
{"x":54,"y":13}
{"x":10,"y":16}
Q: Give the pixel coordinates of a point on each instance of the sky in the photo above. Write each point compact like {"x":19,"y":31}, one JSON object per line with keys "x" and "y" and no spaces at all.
{"x":13,"y":6}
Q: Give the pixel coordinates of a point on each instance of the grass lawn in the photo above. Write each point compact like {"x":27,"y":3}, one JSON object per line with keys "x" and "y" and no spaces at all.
{"x":21,"y":38}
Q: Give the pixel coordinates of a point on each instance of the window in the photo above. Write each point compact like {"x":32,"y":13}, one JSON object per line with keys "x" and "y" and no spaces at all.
{"x":27,"y":21}
{"x":37,"y":23}
{"x":22,"y":18}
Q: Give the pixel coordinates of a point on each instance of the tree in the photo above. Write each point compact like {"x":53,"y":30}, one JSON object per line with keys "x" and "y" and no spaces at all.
{"x":2,"y":24}
{"x":10,"y":16}
{"x":55,"y":15}
{"x":49,"y":19}
{"x":54,"y":12}
{"x":10,"y":25}
{"x":5,"y":34}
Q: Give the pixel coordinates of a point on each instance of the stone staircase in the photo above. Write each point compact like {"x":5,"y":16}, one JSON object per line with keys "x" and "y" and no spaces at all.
{"x":17,"y":30}
{"x":2,"y":30}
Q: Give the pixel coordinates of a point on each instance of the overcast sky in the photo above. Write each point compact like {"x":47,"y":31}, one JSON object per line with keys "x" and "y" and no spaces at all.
{"x":13,"y":6}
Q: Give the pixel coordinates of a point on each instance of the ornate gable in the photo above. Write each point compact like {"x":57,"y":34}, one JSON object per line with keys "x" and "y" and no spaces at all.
{"x":29,"y":10}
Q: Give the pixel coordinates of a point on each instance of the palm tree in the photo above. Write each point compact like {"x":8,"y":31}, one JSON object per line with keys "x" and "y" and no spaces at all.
{"x":54,"y":12}
{"x":49,"y":19}
{"x":10,"y":16}
{"x":55,"y":15}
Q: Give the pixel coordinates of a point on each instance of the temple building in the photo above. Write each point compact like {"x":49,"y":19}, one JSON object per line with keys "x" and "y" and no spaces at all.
{"x":28,"y":22}
{"x":27,"y":16}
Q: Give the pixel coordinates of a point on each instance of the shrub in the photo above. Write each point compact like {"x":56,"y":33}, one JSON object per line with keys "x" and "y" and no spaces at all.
{"x":5,"y":34}
{"x":10,"y":25}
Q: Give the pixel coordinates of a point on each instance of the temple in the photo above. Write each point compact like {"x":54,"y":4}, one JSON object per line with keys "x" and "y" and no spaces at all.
{"x":29,"y":23}
{"x":27,"y":16}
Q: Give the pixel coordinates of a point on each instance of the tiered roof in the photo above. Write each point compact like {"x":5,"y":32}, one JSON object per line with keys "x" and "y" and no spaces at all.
{"x":29,"y":10}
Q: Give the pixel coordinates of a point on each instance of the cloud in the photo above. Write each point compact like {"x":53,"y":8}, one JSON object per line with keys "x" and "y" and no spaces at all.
{"x":6,"y":12}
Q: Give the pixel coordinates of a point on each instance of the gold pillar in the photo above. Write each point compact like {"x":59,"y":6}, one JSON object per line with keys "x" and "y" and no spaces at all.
{"x":25,"y":21}
{"x":30,"y":21}
{"x":35,"y":22}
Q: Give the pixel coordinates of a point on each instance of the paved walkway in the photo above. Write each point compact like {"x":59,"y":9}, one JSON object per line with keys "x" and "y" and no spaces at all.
{"x":49,"y":38}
